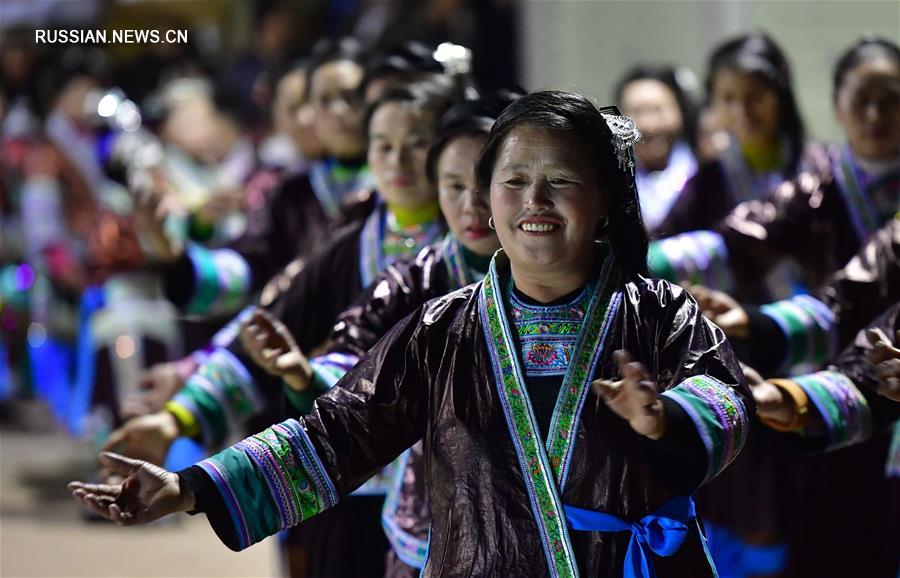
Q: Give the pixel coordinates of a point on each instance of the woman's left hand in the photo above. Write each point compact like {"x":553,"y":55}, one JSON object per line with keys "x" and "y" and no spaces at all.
{"x":635,"y":397}
{"x":886,"y":359}
{"x":271,"y":346}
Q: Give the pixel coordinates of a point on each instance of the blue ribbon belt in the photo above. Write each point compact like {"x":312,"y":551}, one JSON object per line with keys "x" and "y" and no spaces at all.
{"x":662,"y":532}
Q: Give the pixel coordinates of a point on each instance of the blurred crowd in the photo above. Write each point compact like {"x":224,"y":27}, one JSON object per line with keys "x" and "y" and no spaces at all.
{"x":149,"y":204}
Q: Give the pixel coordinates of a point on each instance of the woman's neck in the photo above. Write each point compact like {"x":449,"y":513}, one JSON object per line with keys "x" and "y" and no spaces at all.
{"x":475,"y":261}
{"x":411,"y":216}
{"x":546,"y":287}
{"x":877,"y":167}
{"x":762,"y":157}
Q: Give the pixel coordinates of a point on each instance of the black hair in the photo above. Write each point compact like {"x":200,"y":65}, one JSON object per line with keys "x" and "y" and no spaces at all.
{"x":467,"y":118}
{"x":433,"y":96}
{"x":414,"y":61}
{"x":329,"y":50}
{"x":410,"y":58}
{"x":297,"y":66}
{"x":69,"y":64}
{"x":573,"y":114}
{"x":865,"y":48}
{"x":757,"y":53}
{"x":674,"y":79}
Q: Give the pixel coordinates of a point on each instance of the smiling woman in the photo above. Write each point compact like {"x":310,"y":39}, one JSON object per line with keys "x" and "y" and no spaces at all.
{"x":504,"y":388}
{"x":556,"y":186}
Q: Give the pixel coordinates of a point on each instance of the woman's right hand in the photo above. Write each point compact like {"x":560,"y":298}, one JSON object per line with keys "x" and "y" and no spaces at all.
{"x":147,"y":437}
{"x":157,"y":385}
{"x":723,"y":310}
{"x":154,"y":208}
{"x":148,"y":492}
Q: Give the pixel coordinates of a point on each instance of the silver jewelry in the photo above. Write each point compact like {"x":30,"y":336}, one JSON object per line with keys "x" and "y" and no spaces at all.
{"x":625,"y":136}
{"x":491,"y":223}
{"x":604,"y":222}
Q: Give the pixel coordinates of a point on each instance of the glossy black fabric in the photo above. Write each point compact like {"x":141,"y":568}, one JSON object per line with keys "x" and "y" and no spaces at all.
{"x":398,"y":291}
{"x":805,"y":220}
{"x":851,"y":519}
{"x":311,"y":300}
{"x":293,"y":224}
{"x":707,"y":197}
{"x":431,"y":378}
{"x":857,"y":293}
{"x":679,"y":460}
{"x":808,"y":499}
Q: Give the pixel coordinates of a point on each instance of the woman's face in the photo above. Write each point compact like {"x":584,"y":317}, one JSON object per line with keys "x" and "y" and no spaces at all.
{"x":338,"y":108}
{"x":747,"y":107}
{"x":655,"y":110}
{"x":868,"y":108}
{"x":546,"y":200}
{"x":399,"y":136}
{"x":294,"y":114}
{"x":464,"y":207}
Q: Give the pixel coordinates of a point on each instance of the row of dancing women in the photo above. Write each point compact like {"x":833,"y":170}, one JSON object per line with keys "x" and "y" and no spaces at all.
{"x":465,"y":355}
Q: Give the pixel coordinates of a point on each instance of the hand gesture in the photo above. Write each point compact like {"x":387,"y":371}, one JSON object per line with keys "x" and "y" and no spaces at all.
{"x":886,"y":359}
{"x":273,"y":348}
{"x":147,"y":493}
{"x":723,"y":310}
{"x":148,"y":437}
{"x":154,"y":208}
{"x":771,"y":401}
{"x":635,"y":397}
{"x":221,"y":204}
{"x":157,"y":385}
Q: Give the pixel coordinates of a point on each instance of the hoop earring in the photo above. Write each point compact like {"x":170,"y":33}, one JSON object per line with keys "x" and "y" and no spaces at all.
{"x":604,"y":223}
{"x":491,"y":223}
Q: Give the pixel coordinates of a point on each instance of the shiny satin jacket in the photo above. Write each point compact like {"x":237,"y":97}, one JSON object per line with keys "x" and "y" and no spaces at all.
{"x":433,"y":378}
{"x":399,"y":290}
{"x":294,"y":223}
{"x":818,"y":220}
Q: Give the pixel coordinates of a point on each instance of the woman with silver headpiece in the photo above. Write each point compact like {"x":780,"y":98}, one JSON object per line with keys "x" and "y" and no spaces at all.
{"x":568,"y":405}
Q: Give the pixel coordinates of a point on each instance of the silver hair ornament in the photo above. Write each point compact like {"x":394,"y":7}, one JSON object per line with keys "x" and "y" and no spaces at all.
{"x":625,"y":136}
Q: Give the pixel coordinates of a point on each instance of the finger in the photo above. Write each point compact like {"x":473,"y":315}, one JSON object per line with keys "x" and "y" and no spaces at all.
{"x":96,"y":507}
{"x":290,"y":360}
{"x":607,"y":390}
{"x":96,"y":489}
{"x":700,"y":294}
{"x":116,"y":438}
{"x":630,"y":369}
{"x":119,"y":464}
{"x":622,"y":358}
{"x":115,"y":514}
{"x":877,"y":337}
{"x":269,"y":354}
{"x":146,"y":381}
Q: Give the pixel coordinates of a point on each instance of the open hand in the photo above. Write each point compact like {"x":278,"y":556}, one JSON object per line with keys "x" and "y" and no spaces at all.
{"x":271,"y":346}
{"x":771,"y":402}
{"x":723,"y":310}
{"x":886,"y":359}
{"x":148,"y":492}
{"x":147,"y":437}
{"x":157,"y":385}
{"x":635,"y":397}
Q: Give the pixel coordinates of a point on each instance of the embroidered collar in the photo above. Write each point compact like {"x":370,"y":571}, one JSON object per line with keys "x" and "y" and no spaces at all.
{"x":859,"y":193}
{"x":547,"y":333}
{"x":459,"y":270}
{"x":380,"y":247}
{"x":545,"y":468}
{"x":332,"y":181}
